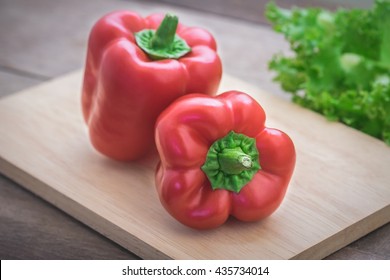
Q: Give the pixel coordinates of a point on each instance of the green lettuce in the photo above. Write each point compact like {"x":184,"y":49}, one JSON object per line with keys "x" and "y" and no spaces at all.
{"x":340,"y":65}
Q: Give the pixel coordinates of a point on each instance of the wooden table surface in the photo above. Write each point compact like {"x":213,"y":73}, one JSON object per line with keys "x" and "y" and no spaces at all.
{"x":43,"y":39}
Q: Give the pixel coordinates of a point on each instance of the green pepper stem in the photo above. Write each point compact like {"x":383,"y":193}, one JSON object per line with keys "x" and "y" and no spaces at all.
{"x":165,"y":34}
{"x":163,"y":43}
{"x":234,"y":161}
{"x":231,"y":162}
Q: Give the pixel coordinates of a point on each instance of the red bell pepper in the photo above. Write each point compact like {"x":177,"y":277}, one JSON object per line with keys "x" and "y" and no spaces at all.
{"x":219,"y":159}
{"x":135,"y":68}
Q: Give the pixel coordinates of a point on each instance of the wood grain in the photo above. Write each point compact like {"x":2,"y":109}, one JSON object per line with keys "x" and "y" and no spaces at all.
{"x":339,"y":191}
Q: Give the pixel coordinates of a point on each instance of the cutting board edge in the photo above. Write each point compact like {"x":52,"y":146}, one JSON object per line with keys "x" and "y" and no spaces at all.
{"x":80,"y":212}
{"x":347,"y":236}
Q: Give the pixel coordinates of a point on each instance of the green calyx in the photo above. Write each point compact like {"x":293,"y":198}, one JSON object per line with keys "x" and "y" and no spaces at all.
{"x":231,"y":162}
{"x":163,"y":43}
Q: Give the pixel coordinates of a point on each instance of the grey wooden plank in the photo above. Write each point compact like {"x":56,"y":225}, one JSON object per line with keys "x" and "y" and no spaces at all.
{"x":11,"y":82}
{"x":253,"y":10}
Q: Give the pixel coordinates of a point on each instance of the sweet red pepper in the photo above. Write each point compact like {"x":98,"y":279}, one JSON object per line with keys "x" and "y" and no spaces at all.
{"x":219,"y":159}
{"x":135,"y":68}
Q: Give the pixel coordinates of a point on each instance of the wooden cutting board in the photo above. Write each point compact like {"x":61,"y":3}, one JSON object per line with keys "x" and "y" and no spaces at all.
{"x":340,"y":190}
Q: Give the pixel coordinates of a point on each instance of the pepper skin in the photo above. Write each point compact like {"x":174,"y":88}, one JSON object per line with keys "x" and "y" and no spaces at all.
{"x":125,"y":89}
{"x":187,"y":129}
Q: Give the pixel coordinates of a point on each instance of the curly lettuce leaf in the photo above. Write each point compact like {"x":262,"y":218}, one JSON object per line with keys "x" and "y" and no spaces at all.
{"x":341,"y":63}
